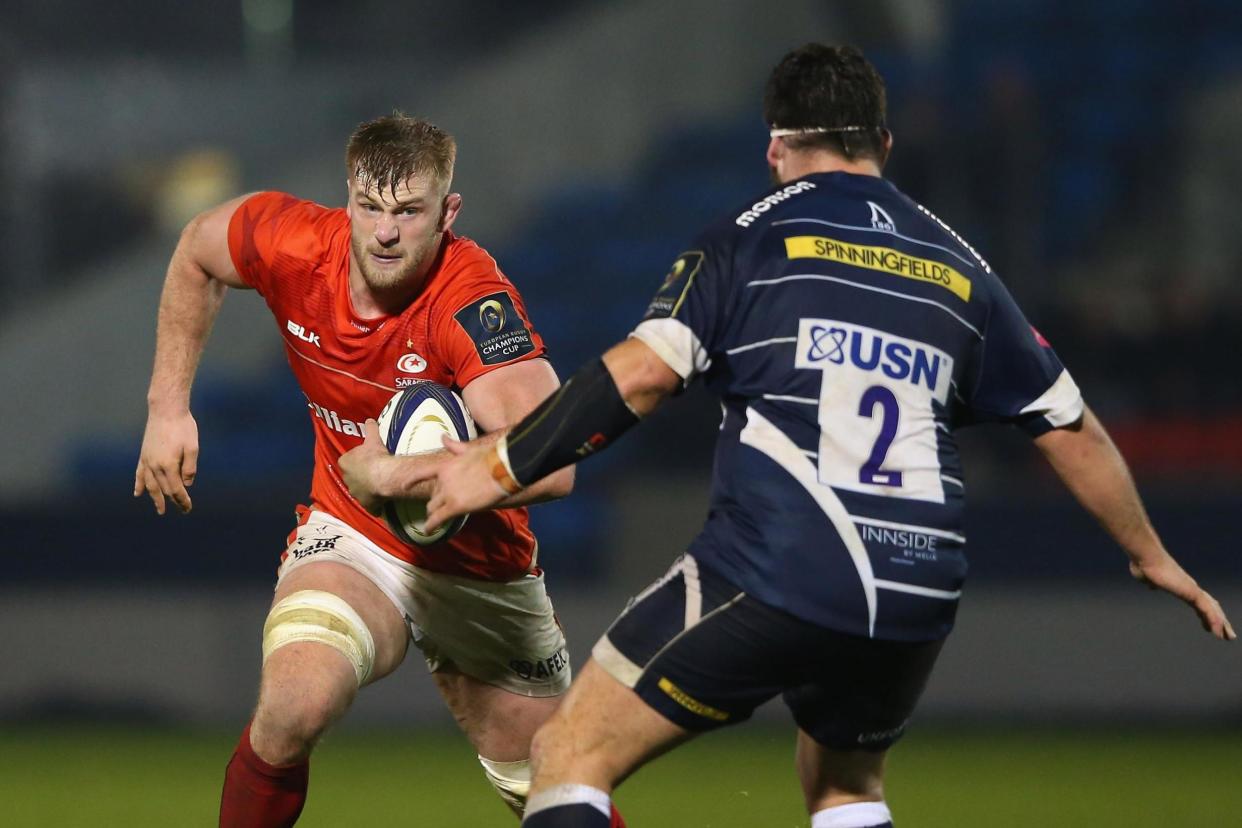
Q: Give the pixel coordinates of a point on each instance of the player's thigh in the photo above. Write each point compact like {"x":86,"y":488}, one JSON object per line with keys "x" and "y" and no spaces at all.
{"x":859,"y":693}
{"x":498,"y":722}
{"x":601,"y":733}
{"x":502,"y":634}
{"x":328,"y":556}
{"x":699,"y":651}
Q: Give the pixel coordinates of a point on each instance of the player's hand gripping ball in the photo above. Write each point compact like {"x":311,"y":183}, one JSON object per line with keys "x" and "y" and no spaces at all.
{"x":413,"y":422}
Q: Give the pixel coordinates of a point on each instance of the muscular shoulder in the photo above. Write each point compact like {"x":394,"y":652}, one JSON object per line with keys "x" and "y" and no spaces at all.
{"x":465,"y":261}
{"x":466,"y":272}
{"x":274,"y":231}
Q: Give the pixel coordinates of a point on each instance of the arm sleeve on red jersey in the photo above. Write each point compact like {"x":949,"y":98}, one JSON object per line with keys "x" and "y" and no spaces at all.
{"x":270,"y":232}
{"x":484,"y":326}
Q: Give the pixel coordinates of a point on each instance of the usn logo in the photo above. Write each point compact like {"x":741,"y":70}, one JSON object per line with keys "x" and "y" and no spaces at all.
{"x":825,"y":344}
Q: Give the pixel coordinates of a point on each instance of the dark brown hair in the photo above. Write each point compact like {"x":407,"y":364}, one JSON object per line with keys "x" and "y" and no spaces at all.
{"x":385,"y":152}
{"x":828,"y":86}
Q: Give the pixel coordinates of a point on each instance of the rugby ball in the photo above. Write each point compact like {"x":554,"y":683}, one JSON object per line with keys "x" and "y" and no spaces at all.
{"x":413,"y":422}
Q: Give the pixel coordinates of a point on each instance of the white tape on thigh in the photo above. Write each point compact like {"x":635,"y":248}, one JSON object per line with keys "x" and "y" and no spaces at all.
{"x":315,"y":615}
{"x":510,"y":779}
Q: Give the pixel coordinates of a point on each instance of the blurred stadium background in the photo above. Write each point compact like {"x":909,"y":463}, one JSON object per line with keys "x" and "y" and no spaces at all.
{"x":1091,"y":150}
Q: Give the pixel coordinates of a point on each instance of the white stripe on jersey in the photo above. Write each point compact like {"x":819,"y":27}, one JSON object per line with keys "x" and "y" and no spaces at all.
{"x":773,"y":341}
{"x":694,"y":592}
{"x":823,"y":278}
{"x":763,"y":436}
{"x":911,"y":589}
{"x":787,"y":398}
{"x":339,"y":371}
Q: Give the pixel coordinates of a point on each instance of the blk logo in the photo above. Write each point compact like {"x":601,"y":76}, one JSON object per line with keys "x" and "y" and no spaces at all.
{"x":303,"y":334}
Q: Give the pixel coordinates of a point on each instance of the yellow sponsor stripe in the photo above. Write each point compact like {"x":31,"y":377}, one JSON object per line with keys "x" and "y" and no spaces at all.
{"x":693,"y":705}
{"x":883,"y":259}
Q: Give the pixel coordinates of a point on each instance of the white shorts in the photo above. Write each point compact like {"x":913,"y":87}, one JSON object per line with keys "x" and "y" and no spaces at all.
{"x":502,"y":633}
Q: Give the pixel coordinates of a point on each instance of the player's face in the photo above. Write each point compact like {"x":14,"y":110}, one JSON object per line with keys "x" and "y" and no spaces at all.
{"x":395,"y":234}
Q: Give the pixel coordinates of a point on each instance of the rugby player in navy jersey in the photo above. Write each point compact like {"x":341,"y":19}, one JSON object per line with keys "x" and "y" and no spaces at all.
{"x":848,"y":333}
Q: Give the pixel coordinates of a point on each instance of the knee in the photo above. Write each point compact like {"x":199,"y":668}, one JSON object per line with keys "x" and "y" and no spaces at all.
{"x":286,"y":730}
{"x":324,"y":619}
{"x":306,"y":685}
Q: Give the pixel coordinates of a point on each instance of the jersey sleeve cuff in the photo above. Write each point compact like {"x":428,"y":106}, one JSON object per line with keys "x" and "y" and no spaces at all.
{"x":1059,"y":406}
{"x":676,"y":344}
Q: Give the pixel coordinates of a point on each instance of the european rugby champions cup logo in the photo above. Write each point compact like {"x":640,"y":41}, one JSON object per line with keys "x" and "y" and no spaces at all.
{"x":674,"y":273}
{"x":492,"y":315}
{"x":496,"y":328}
{"x":675,"y":285}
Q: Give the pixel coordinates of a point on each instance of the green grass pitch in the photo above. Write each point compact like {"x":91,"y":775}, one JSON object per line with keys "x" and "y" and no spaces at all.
{"x":115,"y":776}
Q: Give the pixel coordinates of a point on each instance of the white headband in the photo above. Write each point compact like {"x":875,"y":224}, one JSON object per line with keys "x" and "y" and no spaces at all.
{"x":776,"y":132}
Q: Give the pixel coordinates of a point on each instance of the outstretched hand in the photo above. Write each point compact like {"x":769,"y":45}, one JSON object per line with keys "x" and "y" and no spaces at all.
{"x":464,"y":483}
{"x":1169,"y":576}
{"x":168,"y":460}
{"x":366,"y":467}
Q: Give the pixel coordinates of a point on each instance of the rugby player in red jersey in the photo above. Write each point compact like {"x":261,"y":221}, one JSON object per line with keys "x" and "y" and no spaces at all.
{"x":368,"y":299}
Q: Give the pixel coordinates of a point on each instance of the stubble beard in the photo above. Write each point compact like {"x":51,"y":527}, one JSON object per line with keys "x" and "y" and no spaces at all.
{"x":382,"y":280}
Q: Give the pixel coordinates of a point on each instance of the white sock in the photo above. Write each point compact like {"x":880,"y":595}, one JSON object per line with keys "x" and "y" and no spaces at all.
{"x":854,"y":815}
{"x":569,"y":795}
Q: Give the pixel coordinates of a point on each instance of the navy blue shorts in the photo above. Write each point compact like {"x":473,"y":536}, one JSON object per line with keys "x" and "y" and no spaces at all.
{"x":704,"y":655}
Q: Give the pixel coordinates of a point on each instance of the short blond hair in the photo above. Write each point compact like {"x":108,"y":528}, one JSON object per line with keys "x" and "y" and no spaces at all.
{"x":387,"y":151}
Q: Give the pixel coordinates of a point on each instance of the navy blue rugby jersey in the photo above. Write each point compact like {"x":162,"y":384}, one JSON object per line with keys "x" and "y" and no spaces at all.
{"x":848,"y":332}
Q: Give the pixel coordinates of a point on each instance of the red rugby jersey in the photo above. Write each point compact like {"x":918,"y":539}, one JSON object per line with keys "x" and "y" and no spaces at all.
{"x":296,"y":254}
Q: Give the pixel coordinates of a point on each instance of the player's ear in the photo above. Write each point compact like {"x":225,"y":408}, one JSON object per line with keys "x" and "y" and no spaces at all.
{"x":888,"y":147}
{"x":776,"y":152}
{"x":452,"y":205}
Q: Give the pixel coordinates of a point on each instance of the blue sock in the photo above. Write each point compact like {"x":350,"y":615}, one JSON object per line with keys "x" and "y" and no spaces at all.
{"x":568,"y":806}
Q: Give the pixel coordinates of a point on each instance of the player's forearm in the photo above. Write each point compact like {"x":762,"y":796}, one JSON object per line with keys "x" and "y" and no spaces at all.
{"x":642,"y":378}
{"x":599,"y":403}
{"x":1092,"y":468}
{"x":406,"y":477}
{"x":556,"y":485}
{"x":188,"y":306}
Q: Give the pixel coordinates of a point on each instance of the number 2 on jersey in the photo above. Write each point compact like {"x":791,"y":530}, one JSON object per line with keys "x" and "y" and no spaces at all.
{"x":871,"y":472}
{"x":877,"y":408}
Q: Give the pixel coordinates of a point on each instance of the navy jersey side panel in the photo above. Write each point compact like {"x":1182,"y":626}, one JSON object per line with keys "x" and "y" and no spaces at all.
{"x":847,"y":331}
